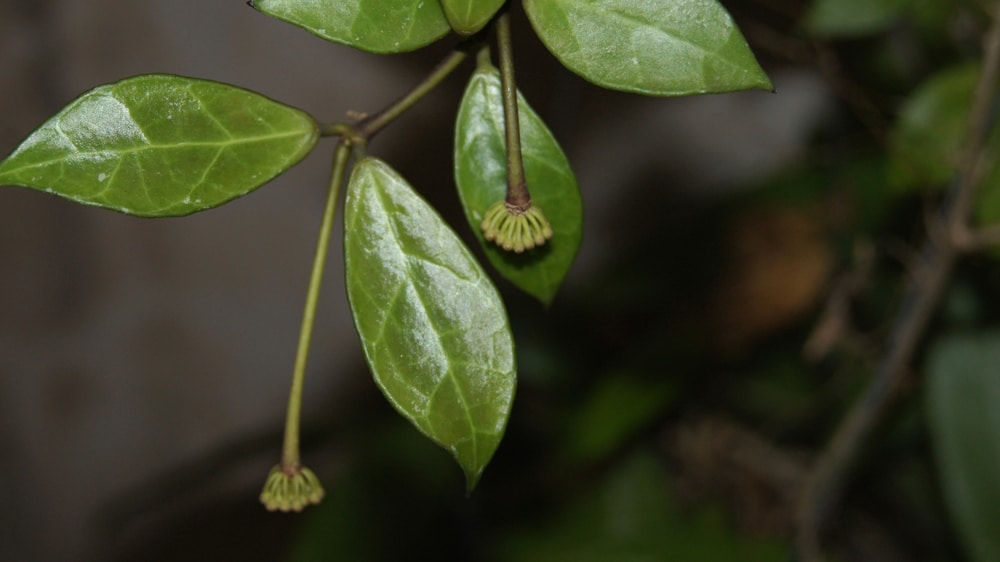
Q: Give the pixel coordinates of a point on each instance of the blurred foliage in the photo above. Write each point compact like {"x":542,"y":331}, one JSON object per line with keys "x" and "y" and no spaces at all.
{"x":963,"y":393}
{"x":670,"y":406}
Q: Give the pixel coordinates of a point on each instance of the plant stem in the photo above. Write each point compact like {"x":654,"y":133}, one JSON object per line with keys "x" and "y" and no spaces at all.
{"x":483,"y":60}
{"x":517,"y":187}
{"x":335,"y":130}
{"x":979,"y":124}
{"x":940,"y":254}
{"x":371,"y":125}
{"x":290,"y":460}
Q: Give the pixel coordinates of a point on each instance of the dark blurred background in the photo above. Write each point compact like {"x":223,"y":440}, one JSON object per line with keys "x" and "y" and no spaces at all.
{"x":669,"y":401}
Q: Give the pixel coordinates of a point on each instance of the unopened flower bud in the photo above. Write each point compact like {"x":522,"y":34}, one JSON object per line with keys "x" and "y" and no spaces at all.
{"x":515,"y":228}
{"x":292,"y":490}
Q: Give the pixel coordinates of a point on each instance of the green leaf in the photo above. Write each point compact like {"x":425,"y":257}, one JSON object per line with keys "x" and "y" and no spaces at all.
{"x":665,"y":48}
{"x":838,"y":18}
{"x":963,"y":394}
{"x":481,"y":176}
{"x":376,"y":26}
{"x":632,"y":515}
{"x":469,"y":16}
{"x":618,"y":407}
{"x":432,"y":325}
{"x":987,"y":210}
{"x":927,"y":142}
{"x":933,"y":122}
{"x":159,"y":145}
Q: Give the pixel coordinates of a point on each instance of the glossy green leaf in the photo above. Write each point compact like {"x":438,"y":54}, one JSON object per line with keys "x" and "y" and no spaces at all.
{"x":159,"y":145}
{"x":376,"y":26}
{"x":433,"y":327}
{"x":963,"y":394}
{"x":653,"y":47}
{"x":469,"y":16}
{"x":481,"y":176}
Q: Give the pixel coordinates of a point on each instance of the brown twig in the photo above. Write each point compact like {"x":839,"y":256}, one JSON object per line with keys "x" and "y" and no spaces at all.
{"x":834,"y":326}
{"x":832,"y":473}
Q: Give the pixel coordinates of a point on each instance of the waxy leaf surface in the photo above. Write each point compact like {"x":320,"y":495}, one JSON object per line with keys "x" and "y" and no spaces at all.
{"x":652,"y":47}
{"x":481,"y":177}
{"x":376,"y":26}
{"x":963,"y":393}
{"x":432,"y":325}
{"x":159,"y":145}
{"x":469,"y":16}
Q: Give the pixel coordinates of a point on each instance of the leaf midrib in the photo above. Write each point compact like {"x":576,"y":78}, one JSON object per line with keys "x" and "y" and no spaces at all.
{"x":407,"y":259}
{"x":221,"y":145}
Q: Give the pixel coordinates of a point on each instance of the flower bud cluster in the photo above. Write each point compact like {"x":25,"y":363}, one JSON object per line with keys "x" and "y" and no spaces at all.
{"x":291,"y":491}
{"x":516,"y":228}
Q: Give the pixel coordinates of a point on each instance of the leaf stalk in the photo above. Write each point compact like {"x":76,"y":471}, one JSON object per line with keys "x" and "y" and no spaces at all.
{"x":290,"y":458}
{"x":371,"y":125}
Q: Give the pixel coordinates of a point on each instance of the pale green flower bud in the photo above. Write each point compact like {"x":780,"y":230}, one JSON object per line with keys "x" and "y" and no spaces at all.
{"x":516,"y":228}
{"x":284,"y":491}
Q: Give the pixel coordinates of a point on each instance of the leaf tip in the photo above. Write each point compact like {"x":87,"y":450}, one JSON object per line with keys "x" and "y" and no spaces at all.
{"x":471,"y":481}
{"x":764,"y":83}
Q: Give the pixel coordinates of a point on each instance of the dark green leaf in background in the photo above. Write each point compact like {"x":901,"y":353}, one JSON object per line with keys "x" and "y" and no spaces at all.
{"x":469,"y":16}
{"x":987,"y":211}
{"x":930,"y":134}
{"x":432,"y":325}
{"x":835,"y":18}
{"x":631,"y":515}
{"x":481,"y":176}
{"x":376,"y":26}
{"x":963,"y":397}
{"x":931,"y":128}
{"x":666,"y":48}
{"x":615,"y":410}
{"x":159,"y":145}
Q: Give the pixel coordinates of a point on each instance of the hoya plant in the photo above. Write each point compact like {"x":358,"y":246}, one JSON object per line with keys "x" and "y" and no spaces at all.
{"x":432,"y":325}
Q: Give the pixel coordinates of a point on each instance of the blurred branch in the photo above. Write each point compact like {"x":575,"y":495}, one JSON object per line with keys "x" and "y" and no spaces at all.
{"x":833,"y":329}
{"x":831,"y":475}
